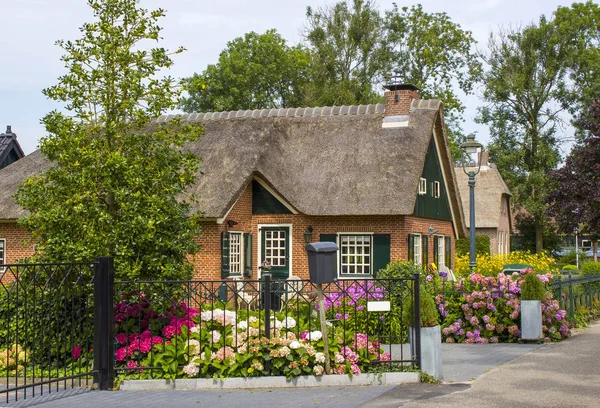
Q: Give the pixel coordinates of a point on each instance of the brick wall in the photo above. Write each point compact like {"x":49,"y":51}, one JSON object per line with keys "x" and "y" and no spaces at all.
{"x":18,"y":242}
{"x":208,"y":261}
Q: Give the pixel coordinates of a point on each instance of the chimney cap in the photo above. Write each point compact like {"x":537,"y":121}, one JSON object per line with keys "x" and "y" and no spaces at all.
{"x":401,"y":87}
{"x":9,"y":132}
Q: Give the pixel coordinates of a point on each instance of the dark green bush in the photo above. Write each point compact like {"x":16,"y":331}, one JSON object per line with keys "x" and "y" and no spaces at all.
{"x":591,"y":269}
{"x":570,"y":258}
{"x":429,"y":313}
{"x":570,"y":268}
{"x":532,"y":288}
{"x":399,"y":269}
{"x":482,"y":245}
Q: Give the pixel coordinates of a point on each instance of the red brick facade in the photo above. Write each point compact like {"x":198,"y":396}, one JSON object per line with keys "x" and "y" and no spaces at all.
{"x":402,"y":106}
{"x":208,"y":261}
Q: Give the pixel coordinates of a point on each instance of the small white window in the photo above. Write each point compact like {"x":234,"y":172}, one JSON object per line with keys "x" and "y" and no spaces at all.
{"x":355,"y":255}
{"x":441,"y":252}
{"x":422,"y":186}
{"x":235,"y":253}
{"x":2,"y":252}
{"x":436,"y":189}
{"x":500,"y":242}
{"x":585,"y":243}
{"x":417,"y":249}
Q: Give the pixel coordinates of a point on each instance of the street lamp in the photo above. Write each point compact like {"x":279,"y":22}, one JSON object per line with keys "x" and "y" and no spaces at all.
{"x":471,"y":147}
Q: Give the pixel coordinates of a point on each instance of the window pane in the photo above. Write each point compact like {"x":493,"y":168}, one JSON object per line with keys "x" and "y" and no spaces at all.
{"x":355,"y":256}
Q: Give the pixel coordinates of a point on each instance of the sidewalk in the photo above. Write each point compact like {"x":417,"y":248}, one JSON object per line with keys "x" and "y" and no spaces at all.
{"x":462,"y":362}
{"x":565,"y":374}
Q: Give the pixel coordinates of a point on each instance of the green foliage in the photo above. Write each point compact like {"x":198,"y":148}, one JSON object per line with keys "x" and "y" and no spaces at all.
{"x":591,"y":269}
{"x":117,"y":184}
{"x":532,"y":288}
{"x":526,"y":240}
{"x":348,"y":55}
{"x":399,"y":269}
{"x":570,"y":268}
{"x":257,"y":71}
{"x":429,"y":312}
{"x":434,"y":53}
{"x":482,"y":245}
{"x":582,"y":316}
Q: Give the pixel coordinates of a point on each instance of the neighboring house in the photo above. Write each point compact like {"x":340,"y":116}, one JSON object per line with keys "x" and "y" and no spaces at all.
{"x":10,"y":150}
{"x":376,"y":179}
{"x":492,"y":204}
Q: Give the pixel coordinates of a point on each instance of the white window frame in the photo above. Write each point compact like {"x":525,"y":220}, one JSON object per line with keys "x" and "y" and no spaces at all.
{"x":349,"y":275}
{"x":441,"y":249}
{"x":422,"y":186}
{"x":3,"y":252}
{"x":417,"y":249}
{"x":586,"y":243}
{"x":436,"y":189}
{"x":233,"y":262}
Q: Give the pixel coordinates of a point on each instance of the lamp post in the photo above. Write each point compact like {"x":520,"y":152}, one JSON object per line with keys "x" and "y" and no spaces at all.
{"x":470,"y":147}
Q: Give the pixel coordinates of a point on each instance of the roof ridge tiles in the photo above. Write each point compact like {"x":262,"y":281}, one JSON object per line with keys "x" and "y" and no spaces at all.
{"x":343,"y":110}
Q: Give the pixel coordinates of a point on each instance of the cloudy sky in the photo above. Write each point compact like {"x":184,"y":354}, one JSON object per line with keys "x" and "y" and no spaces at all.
{"x":29,"y":60}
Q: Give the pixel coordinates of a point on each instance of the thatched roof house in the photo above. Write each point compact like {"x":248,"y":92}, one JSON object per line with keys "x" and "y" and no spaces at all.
{"x":492,"y":205}
{"x":374,"y":178}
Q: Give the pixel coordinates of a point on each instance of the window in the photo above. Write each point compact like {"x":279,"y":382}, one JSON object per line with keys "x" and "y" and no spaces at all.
{"x":355,"y":254}
{"x":417,"y":249}
{"x":422,"y":186}
{"x":275,"y":249}
{"x":436,"y":189}
{"x":2,"y":251}
{"x":441,"y":252}
{"x":235,"y":253}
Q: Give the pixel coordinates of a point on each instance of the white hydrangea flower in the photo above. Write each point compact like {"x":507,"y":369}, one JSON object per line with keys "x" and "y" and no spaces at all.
{"x":191,"y":370}
{"x":315,"y":335}
{"x":295,"y":345}
{"x":195,"y":329}
{"x":243,"y":325}
{"x":289,"y":322}
{"x":320,"y":357}
{"x":253,"y":319}
{"x":318,"y":370}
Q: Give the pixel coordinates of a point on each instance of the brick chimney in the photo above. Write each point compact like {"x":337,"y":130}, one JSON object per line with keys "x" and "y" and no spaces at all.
{"x":398,"y":98}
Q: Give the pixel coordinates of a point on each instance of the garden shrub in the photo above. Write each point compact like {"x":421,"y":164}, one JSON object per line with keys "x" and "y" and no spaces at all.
{"x":532,"y":288}
{"x":400,"y":270}
{"x":493,"y":265}
{"x":591,"y":269}
{"x":428,"y":309}
{"x":570,"y":268}
{"x":482,"y":245}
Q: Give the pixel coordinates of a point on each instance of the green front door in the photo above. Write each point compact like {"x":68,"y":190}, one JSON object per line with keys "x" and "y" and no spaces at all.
{"x":275,"y":248}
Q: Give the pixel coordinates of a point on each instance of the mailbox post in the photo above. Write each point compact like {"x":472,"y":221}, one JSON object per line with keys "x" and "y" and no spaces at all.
{"x":322,"y":260}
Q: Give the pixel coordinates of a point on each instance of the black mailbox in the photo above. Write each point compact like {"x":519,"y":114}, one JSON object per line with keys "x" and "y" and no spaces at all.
{"x":322,"y":261}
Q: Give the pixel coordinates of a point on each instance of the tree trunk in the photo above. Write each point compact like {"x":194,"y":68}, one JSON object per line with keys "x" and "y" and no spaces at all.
{"x":539,"y":238}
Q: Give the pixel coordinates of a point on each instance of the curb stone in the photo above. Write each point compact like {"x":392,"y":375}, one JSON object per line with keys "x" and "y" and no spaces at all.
{"x":271,"y":382}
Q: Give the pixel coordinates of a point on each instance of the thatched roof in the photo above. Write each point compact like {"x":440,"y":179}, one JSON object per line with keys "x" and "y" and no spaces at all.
{"x":323,"y":161}
{"x":489,"y":189}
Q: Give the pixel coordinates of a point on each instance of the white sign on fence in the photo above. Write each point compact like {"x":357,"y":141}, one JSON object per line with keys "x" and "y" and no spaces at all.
{"x":380,"y":306}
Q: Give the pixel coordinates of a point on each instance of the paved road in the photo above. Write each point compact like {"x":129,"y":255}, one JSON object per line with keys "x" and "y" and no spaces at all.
{"x":461,"y":364}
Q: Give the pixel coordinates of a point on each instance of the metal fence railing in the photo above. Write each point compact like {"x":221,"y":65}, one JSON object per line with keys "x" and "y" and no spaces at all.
{"x":46,"y":328}
{"x":573,"y":290}
{"x":370,"y":311}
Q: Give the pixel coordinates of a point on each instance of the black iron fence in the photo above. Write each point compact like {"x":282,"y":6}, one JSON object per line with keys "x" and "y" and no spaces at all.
{"x":46,"y":328}
{"x":70,"y":325}
{"x":233,"y":316}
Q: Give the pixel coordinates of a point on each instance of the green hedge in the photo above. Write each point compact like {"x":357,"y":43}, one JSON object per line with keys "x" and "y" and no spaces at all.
{"x":482,"y":245}
{"x":591,"y":269}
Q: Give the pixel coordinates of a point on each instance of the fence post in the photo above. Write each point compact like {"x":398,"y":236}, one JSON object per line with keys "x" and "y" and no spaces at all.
{"x":267,"y":298}
{"x":104,"y":365}
{"x":417,"y":318}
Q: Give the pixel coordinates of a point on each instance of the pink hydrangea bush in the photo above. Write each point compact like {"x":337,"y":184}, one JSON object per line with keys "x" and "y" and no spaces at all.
{"x":487,"y":310}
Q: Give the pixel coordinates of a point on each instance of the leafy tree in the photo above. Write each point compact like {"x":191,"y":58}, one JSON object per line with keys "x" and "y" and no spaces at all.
{"x":432,"y":52}
{"x":522,"y":89}
{"x":575,"y":199}
{"x":257,"y":71}
{"x":482,"y":245}
{"x":349,"y":58}
{"x":117,"y":184}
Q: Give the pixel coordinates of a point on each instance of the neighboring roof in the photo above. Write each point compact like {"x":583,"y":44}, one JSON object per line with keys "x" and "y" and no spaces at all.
{"x":8,"y":144}
{"x":323,"y":161}
{"x":489,"y":189}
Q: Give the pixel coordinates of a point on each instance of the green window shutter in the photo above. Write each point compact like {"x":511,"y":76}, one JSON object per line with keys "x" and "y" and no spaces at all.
{"x":224,"y":254}
{"x":411,"y":248}
{"x":448,"y":252}
{"x":248,"y":255}
{"x":435,"y":251}
{"x":328,"y":238}
{"x":381,"y":252}
{"x":425,"y":251}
